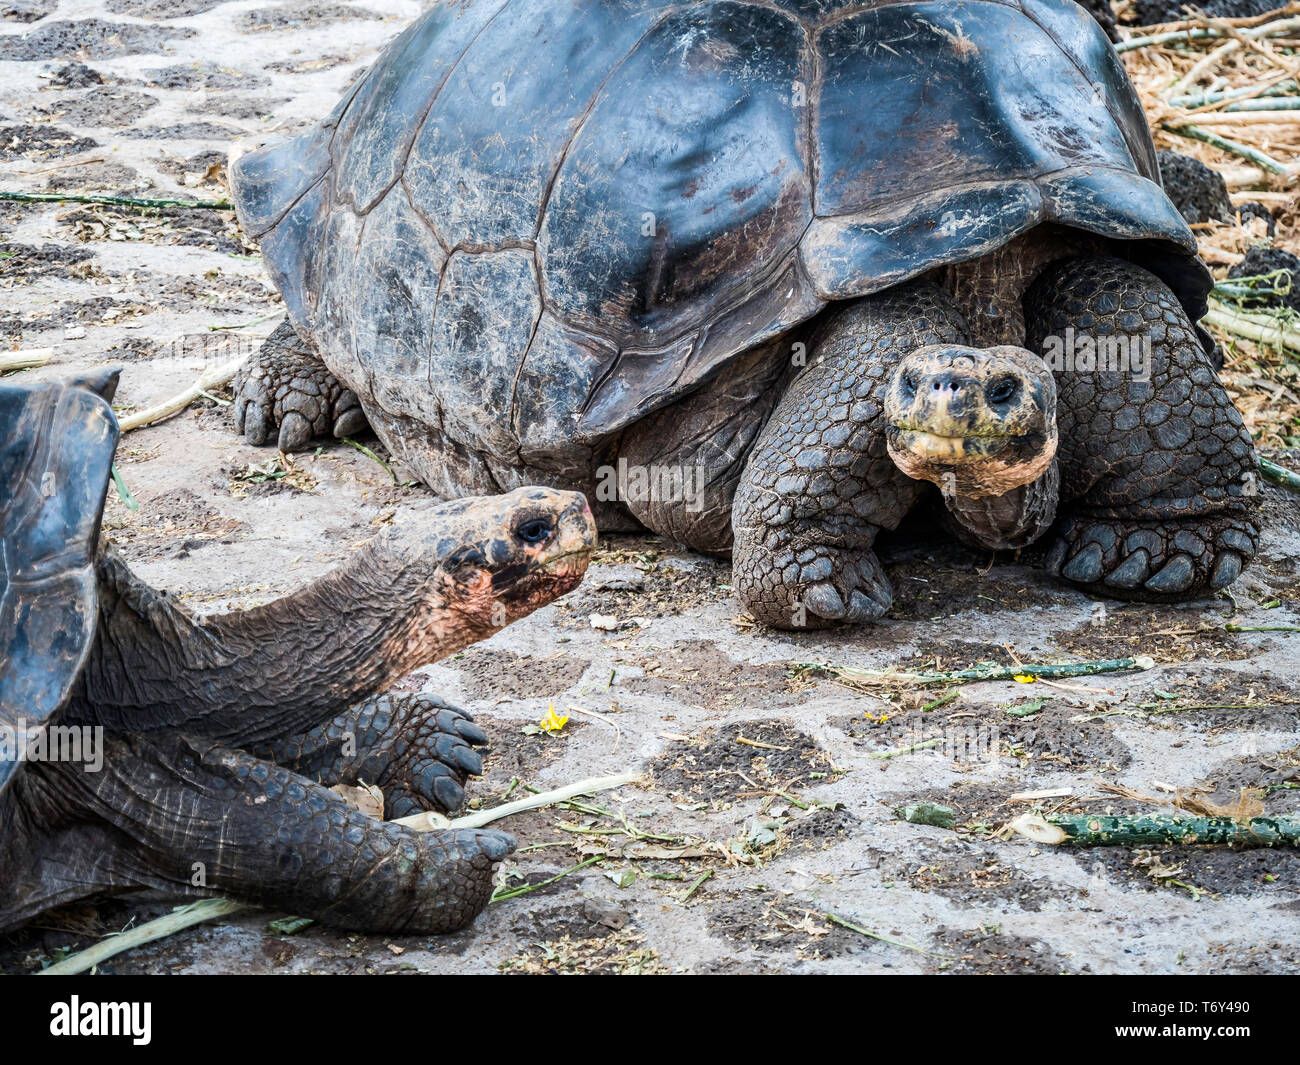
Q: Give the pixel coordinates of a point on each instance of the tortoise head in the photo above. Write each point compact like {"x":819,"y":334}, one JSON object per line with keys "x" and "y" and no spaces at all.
{"x":485,"y":562}
{"x":976,"y":422}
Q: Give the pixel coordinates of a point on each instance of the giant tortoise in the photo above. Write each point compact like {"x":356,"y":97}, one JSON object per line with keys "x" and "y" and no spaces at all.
{"x":141,"y":747}
{"x":764,"y":276}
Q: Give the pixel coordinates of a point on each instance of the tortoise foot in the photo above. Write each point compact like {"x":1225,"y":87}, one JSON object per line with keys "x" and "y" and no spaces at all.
{"x":285,"y":395}
{"x":812,"y":586}
{"x":417,"y":749}
{"x":187,"y":815}
{"x":1155,"y":561}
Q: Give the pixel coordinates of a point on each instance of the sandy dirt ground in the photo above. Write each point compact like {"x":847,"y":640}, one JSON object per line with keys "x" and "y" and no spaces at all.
{"x":770,"y":816}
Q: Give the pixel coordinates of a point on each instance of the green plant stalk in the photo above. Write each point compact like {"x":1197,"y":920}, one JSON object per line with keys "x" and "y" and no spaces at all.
{"x":1255,"y":327}
{"x":1166,"y":38}
{"x":981,"y":673}
{"x":836,"y":919}
{"x":1196,"y":133}
{"x":697,"y":885}
{"x":1083,"y":830}
{"x":370,"y":454}
{"x":1279,"y":475}
{"x":1283,"y":88}
{"x":516,"y":892}
{"x":123,"y":492}
{"x":115,"y":201}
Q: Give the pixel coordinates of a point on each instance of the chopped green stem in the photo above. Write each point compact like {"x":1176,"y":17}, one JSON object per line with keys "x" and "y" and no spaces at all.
{"x":501,"y":896}
{"x":176,"y":921}
{"x":366,"y":451}
{"x":986,"y":672}
{"x":696,"y":886}
{"x":894,"y":752}
{"x":1083,"y":830}
{"x":1202,"y":99}
{"x":835,"y":919}
{"x":1279,"y":475}
{"x":123,"y":493}
{"x":1171,"y":37}
{"x":1196,"y":133}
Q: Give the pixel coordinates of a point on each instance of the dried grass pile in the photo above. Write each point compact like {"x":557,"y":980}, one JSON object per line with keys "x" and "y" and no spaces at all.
{"x":1226,"y":91}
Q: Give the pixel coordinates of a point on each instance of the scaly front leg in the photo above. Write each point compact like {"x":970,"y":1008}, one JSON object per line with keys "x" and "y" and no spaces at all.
{"x":820,"y":484}
{"x":418,"y":749}
{"x":1158,"y":469}
{"x":287,"y":396}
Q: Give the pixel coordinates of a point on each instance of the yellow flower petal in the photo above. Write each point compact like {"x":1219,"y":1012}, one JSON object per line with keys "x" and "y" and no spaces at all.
{"x":1025,"y":678}
{"x":553,"y":722}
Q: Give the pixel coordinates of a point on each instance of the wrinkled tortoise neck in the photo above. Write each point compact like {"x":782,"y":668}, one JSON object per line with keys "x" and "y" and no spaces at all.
{"x":255,"y":675}
{"x":1011,"y":520}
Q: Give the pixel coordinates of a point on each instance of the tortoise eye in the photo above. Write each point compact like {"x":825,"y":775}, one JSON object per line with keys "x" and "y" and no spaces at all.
{"x":535,"y":530}
{"x":1003,"y":390}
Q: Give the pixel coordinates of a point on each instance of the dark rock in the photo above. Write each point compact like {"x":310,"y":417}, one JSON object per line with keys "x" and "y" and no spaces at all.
{"x":1103,"y":13}
{"x":76,"y":76}
{"x":203,"y":76}
{"x":1198,"y":192}
{"x":40,"y":142}
{"x":161,"y":9}
{"x":91,"y":38}
{"x":22,"y":11}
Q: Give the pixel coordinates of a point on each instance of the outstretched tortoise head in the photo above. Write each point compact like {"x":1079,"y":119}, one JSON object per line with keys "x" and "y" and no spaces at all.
{"x":142,"y":747}
{"x":488,"y":561}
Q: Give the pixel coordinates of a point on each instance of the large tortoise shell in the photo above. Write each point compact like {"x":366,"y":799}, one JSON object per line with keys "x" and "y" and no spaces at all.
{"x":534,"y":221}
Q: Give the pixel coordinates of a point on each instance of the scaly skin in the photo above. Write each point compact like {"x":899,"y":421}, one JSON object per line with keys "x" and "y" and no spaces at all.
{"x":1159,"y":475}
{"x":418,"y":749}
{"x":286,"y":393}
{"x":183,"y":802}
{"x":1153,"y":490}
{"x":708,"y":437}
{"x":193,"y":817}
{"x":820,"y":485}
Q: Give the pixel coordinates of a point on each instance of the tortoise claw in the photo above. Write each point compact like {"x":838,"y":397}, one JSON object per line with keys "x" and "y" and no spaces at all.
{"x":823,"y":600}
{"x":1176,"y":575}
{"x":1085,"y":567}
{"x":1226,"y":570}
{"x":295,"y":432}
{"x":1134,"y":570}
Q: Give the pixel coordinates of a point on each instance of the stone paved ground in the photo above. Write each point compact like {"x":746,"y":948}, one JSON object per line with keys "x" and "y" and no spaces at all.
{"x":144,"y":97}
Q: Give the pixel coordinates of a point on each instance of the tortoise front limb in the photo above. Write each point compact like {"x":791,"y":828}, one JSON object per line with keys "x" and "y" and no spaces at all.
{"x":1156,"y":465}
{"x":820,"y":484}
{"x":418,"y":749}
{"x":195,"y":818}
{"x":286,"y":394}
